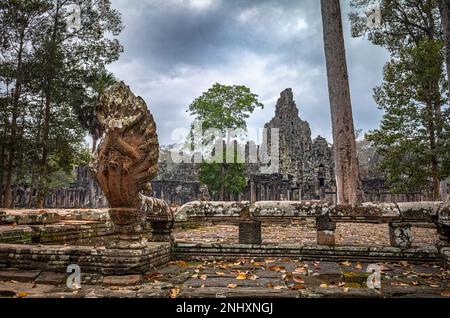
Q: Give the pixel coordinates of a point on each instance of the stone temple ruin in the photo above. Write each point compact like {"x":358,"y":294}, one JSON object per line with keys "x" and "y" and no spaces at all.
{"x":306,"y":165}
{"x":306,"y":172}
{"x":125,"y":243}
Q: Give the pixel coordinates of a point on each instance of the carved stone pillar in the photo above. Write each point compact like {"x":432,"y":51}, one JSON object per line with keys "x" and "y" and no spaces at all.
{"x":250,"y":232}
{"x":249,"y":229}
{"x":325,"y":230}
{"x":400,"y":234}
{"x":252,"y":192}
{"x":128,"y":225}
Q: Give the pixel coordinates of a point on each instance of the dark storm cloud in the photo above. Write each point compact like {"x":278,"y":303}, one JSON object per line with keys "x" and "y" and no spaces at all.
{"x":176,"y":49}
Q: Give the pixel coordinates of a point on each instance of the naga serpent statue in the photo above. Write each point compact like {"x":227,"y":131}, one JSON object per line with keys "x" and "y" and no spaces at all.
{"x":125,"y":162}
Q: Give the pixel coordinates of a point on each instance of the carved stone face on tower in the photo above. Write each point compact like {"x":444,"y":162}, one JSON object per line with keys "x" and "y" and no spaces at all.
{"x":127,"y":156}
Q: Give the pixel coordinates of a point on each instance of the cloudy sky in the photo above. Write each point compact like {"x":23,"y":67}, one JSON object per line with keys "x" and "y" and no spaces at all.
{"x":177,"y":49}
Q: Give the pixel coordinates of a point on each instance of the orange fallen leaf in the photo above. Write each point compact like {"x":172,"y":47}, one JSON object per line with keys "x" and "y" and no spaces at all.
{"x":277,"y":268}
{"x":298,"y":286}
{"x":358,"y":266}
{"x":300,"y":270}
{"x":241,"y":276}
{"x":299,"y":280}
{"x":232,"y":286}
{"x":181,"y":263}
{"x":220,"y":273}
{"x":174,"y":292}
{"x":323,"y":286}
{"x":22,"y":294}
{"x":446,"y":293}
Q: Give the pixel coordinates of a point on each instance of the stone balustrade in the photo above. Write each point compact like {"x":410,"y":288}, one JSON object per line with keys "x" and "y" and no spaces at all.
{"x":399,"y":216}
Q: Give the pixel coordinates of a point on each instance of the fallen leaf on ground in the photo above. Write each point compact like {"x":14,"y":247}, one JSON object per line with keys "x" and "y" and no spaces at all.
{"x":435,"y":285}
{"x":300,"y":270}
{"x":220,"y":274}
{"x":347,"y":264}
{"x":174,"y":292}
{"x":298,"y":286}
{"x":279,"y":287}
{"x":203,"y":277}
{"x":358,"y":266}
{"x":241,"y":276}
{"x":253,"y":277}
{"x":446,"y":293}
{"x":194,"y":276}
{"x":181,"y":263}
{"x":277,"y":268}
{"x":22,"y":294}
{"x":231,"y":286}
{"x":299,"y":280}
{"x":323,"y":286}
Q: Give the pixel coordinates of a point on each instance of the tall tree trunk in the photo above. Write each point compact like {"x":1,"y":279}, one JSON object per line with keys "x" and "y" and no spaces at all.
{"x":15,"y":115}
{"x":348,"y":182}
{"x":42,"y":191}
{"x":91,"y":179}
{"x":444,"y":8}
{"x":2,"y":164}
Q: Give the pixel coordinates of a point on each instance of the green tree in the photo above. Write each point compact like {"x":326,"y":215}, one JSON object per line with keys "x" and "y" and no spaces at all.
{"x":19,"y":21}
{"x":45,"y":69}
{"x":408,"y":30}
{"x":67,"y":55}
{"x":413,"y":131}
{"x":223,"y":107}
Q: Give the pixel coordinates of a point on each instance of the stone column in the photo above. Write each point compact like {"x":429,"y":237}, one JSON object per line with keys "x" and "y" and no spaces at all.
{"x":249,"y":229}
{"x":250,"y":232}
{"x":443,"y":225}
{"x":400,"y":234}
{"x":128,"y":224}
{"x":252,"y":192}
{"x":325,"y":230}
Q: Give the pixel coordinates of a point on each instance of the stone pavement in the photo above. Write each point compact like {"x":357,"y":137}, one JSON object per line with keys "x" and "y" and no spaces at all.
{"x":258,"y":278}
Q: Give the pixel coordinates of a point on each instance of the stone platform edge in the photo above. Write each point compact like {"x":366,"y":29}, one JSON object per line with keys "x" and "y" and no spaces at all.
{"x":90,"y":259}
{"x":227,"y":252}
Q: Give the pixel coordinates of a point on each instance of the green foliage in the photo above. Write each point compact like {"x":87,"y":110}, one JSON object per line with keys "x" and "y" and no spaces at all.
{"x":222,"y":107}
{"x":404,"y":22}
{"x":50,"y":79}
{"x":227,"y":176}
{"x":415,"y":126}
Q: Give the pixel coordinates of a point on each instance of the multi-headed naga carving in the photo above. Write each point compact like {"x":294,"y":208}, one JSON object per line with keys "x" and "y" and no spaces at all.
{"x":126,"y":160}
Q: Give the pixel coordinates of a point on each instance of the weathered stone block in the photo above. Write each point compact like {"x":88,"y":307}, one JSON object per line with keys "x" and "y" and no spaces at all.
{"x":326,"y":237}
{"x":161,"y":231}
{"x":127,"y":280}
{"x":400,"y":234}
{"x":324,"y":223}
{"x":419,"y":210}
{"x":250,"y":232}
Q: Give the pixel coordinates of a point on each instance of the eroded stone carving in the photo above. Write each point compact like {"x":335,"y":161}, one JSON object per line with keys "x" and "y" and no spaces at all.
{"x":126,"y":162}
{"x":128,"y":153}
